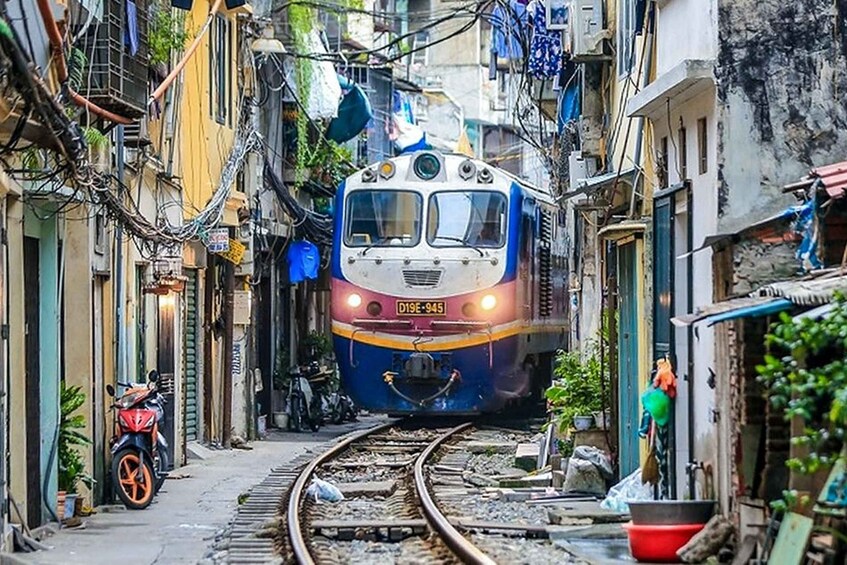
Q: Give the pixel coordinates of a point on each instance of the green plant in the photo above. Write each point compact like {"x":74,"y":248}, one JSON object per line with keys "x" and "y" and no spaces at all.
{"x":330,"y":163}
{"x":71,"y":466}
{"x":578,"y":387}
{"x":166,"y":33}
{"x":319,"y":344}
{"x":95,"y":139}
{"x":805,"y":373}
{"x":302,"y":20}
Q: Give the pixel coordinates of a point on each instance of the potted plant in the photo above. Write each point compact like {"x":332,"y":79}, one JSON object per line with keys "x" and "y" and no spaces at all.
{"x":71,"y":466}
{"x":577,"y":392}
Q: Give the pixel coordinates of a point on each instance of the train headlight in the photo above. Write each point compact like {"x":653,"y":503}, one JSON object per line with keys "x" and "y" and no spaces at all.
{"x":354,"y":300}
{"x":386,"y":170}
{"x":427,"y":166}
{"x":374,"y":308}
{"x":488,"y":302}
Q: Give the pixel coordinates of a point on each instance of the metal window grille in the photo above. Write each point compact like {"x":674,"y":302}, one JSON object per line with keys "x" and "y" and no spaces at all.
{"x":115,"y":79}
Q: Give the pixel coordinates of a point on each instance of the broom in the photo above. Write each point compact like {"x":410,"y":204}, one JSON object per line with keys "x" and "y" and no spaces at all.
{"x":650,"y":469}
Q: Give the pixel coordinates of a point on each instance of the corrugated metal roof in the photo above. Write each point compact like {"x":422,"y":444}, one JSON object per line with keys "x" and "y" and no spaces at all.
{"x":833,"y":177}
{"x":751,"y":304}
{"x":808,"y":292}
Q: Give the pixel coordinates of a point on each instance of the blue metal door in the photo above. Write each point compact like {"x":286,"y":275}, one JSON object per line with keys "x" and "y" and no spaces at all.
{"x":628,"y":401}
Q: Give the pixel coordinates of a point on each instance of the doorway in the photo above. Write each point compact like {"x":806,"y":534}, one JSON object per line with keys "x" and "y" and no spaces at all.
{"x":166,"y":366}
{"x":628,"y":440}
{"x":32,"y":344}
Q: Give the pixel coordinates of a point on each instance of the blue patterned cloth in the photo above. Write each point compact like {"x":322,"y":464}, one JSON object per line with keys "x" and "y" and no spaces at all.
{"x":545,"y":52}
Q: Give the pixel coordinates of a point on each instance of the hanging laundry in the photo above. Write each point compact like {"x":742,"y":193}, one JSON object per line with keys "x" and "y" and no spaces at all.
{"x":131,"y":37}
{"x":354,"y":113}
{"x":545,"y":50}
{"x":506,"y":29}
{"x":304,"y":259}
{"x":569,"y":105}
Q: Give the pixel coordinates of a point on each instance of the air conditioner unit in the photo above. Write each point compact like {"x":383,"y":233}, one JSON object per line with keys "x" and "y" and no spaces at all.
{"x":579,"y":169}
{"x":586,"y":33}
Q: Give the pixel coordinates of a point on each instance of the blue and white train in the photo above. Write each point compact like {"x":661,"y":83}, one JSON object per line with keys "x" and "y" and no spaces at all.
{"x":449,"y":286}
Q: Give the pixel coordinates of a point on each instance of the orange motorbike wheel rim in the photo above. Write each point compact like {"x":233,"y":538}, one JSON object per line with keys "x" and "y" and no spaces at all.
{"x":137,"y":488}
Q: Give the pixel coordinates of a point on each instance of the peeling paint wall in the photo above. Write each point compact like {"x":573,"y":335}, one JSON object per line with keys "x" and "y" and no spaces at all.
{"x":780,"y":96}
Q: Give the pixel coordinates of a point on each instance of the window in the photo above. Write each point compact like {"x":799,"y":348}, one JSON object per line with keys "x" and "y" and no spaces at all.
{"x":467,"y":218}
{"x":682,"y":158}
{"x":220,"y":61}
{"x":626,"y":37}
{"x":662,"y":163}
{"x":702,"y":146}
{"x":382,"y":218}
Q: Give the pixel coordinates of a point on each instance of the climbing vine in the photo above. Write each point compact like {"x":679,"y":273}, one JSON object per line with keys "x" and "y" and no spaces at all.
{"x":302,"y":20}
{"x":166,"y":33}
{"x":805,"y":374}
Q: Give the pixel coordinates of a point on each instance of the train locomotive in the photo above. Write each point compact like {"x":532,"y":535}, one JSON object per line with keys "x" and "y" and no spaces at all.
{"x":448,"y":286}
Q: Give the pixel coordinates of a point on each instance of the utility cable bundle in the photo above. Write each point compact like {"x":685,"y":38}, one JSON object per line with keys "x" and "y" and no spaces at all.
{"x":315,"y":227}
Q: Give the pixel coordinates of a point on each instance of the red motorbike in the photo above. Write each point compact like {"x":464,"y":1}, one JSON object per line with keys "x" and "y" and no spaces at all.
{"x":139,"y":450}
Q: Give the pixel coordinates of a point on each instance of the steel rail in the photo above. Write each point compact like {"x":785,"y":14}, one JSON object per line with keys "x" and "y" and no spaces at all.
{"x":464,"y":549}
{"x":295,"y":533}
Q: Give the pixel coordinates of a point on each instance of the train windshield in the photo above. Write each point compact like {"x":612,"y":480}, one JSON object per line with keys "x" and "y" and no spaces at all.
{"x":383,"y":218}
{"x":476,"y":218}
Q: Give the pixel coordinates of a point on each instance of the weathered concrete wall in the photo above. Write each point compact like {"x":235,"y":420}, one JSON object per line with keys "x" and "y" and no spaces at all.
{"x":758,"y":263}
{"x":781,"y":84}
{"x":687,"y":29}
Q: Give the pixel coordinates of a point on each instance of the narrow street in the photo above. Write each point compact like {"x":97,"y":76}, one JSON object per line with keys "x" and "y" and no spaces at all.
{"x":181,"y":525}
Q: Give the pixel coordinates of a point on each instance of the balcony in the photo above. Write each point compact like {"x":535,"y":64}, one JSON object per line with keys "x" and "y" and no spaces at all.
{"x":115,"y":78}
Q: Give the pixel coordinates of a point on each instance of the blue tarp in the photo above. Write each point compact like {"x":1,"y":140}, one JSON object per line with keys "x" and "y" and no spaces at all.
{"x":776,"y":305}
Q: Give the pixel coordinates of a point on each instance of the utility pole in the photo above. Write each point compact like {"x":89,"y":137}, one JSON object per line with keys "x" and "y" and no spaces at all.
{"x":228,"y":311}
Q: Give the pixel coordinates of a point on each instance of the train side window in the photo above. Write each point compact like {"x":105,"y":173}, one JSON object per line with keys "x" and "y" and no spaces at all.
{"x":526,"y":236}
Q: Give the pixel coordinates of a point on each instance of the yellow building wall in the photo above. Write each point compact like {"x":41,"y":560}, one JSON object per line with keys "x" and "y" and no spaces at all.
{"x":202,"y":144}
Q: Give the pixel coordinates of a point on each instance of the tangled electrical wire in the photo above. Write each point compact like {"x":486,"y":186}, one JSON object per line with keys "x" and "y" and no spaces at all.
{"x":106,"y":191}
{"x":313,"y":226}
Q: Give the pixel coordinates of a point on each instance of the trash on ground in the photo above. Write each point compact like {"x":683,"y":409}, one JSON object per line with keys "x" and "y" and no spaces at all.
{"x":323,"y":490}
{"x":630,"y":489}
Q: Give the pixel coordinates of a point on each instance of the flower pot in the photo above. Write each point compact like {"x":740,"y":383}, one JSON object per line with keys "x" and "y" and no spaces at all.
{"x":281,"y":420}
{"x":583,"y":423}
{"x":80,"y":503}
{"x":70,"y":506}
{"x":601,"y":419}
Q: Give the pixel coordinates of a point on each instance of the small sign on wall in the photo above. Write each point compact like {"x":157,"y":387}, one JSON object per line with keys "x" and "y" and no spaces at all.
{"x":241,"y":307}
{"x":218,"y":241}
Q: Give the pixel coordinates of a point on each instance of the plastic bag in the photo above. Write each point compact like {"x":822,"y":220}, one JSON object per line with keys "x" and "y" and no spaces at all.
{"x":596,"y":456}
{"x":631,"y":489}
{"x":323,"y":490}
{"x":584,"y":477}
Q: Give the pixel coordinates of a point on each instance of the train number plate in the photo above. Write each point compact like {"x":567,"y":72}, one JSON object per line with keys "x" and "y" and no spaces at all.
{"x":421,"y":308}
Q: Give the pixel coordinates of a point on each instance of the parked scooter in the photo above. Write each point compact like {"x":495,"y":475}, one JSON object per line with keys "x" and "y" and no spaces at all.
{"x":304,"y":403}
{"x":139,"y":450}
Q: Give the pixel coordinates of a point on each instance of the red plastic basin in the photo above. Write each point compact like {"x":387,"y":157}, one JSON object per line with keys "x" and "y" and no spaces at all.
{"x":659,"y":544}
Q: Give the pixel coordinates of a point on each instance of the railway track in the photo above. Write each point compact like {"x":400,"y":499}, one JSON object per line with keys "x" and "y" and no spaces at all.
{"x":399,"y":515}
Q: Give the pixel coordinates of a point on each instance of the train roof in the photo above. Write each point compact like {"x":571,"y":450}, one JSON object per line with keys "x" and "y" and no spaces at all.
{"x":537,"y":192}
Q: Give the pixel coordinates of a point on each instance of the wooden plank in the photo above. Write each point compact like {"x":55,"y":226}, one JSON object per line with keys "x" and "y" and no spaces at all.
{"x":791,"y":542}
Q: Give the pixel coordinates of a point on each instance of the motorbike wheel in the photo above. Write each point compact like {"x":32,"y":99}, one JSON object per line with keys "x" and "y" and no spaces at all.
{"x":134,"y":486}
{"x":315,"y":416}
{"x":298,"y":413}
{"x":161,"y":468}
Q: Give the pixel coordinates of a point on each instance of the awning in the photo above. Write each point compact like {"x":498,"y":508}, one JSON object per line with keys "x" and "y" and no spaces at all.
{"x":743,"y":307}
{"x":833,"y":179}
{"x":789,"y":214}
{"x":816,"y":313}
{"x":591,"y":185}
{"x":621,"y":230}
